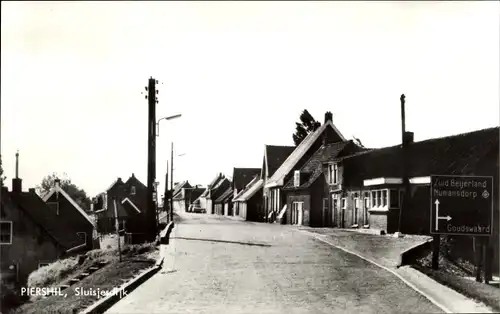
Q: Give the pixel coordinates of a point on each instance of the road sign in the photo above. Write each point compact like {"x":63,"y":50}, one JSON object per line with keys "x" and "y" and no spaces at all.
{"x":461,"y":205}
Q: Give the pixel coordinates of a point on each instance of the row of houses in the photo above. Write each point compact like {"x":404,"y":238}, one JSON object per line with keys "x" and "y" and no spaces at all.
{"x":329,"y":181}
{"x":36,"y":230}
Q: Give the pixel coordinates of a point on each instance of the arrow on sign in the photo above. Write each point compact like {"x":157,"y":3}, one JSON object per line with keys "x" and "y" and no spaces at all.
{"x":447,"y":218}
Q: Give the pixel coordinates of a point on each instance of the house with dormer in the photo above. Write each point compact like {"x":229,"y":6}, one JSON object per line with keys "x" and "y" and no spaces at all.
{"x":274,"y":197}
{"x":127,"y":201}
{"x":306,"y":193}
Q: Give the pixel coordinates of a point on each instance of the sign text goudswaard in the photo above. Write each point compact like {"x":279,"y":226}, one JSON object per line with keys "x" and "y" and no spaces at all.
{"x":461,"y":205}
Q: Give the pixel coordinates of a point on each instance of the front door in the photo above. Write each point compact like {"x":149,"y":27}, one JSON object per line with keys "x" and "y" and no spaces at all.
{"x":335,"y":211}
{"x":297,"y":213}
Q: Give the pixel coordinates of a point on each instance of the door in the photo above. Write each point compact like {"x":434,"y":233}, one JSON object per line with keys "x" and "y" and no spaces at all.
{"x":299,"y":214}
{"x":326,"y":213}
{"x":335,"y":211}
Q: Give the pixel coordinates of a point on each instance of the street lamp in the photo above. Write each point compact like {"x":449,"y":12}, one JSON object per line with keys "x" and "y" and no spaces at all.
{"x":165,"y":118}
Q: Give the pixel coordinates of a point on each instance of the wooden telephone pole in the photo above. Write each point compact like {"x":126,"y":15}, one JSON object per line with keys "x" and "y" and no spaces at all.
{"x":151,"y":210}
{"x":172,"y":182}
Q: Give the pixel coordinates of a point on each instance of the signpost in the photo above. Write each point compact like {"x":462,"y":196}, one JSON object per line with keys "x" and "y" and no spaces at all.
{"x":460,"y":205}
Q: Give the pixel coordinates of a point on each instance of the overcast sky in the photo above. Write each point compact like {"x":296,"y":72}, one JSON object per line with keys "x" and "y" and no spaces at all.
{"x":240,"y":73}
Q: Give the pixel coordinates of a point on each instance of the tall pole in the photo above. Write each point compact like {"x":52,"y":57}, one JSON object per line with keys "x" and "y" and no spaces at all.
{"x":151,"y":215}
{"x":172,"y":181}
{"x":166,"y":197}
{"x":117,"y":227}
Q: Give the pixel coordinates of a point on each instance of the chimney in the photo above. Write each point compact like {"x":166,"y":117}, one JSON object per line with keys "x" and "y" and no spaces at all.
{"x":403,"y":119}
{"x":408,"y":138}
{"x":32,"y":190}
{"x":57,"y":183}
{"x":5,"y":189}
{"x":328,"y":116}
{"x":133,"y":175}
{"x":17,"y":184}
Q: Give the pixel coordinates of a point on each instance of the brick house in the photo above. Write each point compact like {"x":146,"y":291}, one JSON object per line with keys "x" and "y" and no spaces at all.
{"x":248,"y":203}
{"x":178,"y":200}
{"x":186,"y":197}
{"x":70,"y":212}
{"x":306,"y":192}
{"x":130,"y":198}
{"x":221,"y":202}
{"x":370,"y":192}
{"x":201,"y":202}
{"x":274,"y":156}
{"x":273,"y":189}
{"x":32,"y":234}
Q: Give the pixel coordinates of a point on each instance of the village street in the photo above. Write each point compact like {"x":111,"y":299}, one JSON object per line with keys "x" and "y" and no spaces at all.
{"x":222,"y":265}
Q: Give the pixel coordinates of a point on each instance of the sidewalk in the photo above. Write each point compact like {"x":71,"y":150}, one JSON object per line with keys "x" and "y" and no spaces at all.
{"x":385,"y":251}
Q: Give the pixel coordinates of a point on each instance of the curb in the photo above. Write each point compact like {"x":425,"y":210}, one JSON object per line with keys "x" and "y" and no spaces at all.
{"x":409,"y":284}
{"x":104,"y":304}
{"x":416,"y":249}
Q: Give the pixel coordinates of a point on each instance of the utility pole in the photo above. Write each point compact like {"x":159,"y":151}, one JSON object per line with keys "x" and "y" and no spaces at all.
{"x":117,"y":227}
{"x":166,"y":198}
{"x":151,"y":211}
{"x":172,"y":181}
{"x":406,"y":183}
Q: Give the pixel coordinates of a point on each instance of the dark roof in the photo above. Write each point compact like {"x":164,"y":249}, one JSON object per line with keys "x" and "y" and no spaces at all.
{"x":47,"y":219}
{"x":212,"y":184}
{"x":179,"y":187}
{"x":276,"y":155}
{"x":242,"y":176}
{"x":461,"y":154}
{"x":219,"y":189}
{"x":227,"y":194}
{"x":313,"y":168}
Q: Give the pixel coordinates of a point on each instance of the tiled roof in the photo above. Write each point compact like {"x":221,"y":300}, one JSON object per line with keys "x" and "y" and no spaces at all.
{"x":461,"y":154}
{"x":47,"y":219}
{"x":219,"y":189}
{"x":58,"y":189}
{"x":179,"y":187}
{"x":275,"y":156}
{"x":313,"y":167}
{"x":241,"y":176}
{"x":240,"y":193}
{"x":250,"y":191}
{"x":224,"y":196}
{"x":300,"y":151}
{"x":212,"y":184}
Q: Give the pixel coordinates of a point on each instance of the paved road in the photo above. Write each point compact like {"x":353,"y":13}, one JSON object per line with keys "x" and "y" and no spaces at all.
{"x":227,"y":266}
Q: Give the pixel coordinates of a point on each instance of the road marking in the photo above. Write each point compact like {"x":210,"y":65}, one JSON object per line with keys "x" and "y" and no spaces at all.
{"x":409,"y":284}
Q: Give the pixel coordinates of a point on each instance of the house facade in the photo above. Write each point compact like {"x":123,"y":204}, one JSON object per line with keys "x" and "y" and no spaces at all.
{"x":186,"y":197}
{"x":178,"y":198}
{"x":306,"y":192}
{"x":221,"y":201}
{"x":248,"y":203}
{"x":273,"y":188}
{"x":70,"y":212}
{"x":274,"y":156}
{"x":242,"y":176}
{"x":129,"y":201}
{"x":33,"y":234}
{"x":201,"y":204}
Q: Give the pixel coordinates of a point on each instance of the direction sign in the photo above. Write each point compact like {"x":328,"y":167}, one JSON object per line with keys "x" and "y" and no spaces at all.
{"x":461,"y":205}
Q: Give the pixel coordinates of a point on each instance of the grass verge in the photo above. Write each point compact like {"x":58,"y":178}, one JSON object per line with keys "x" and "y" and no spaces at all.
{"x":487,"y":294}
{"x":135,"y":259}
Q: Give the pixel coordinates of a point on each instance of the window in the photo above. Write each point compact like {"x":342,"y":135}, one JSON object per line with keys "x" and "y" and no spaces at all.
{"x":384,"y":197}
{"x":40,"y":265}
{"x":132,"y":190}
{"x":54,"y":206}
{"x":5,"y":232}
{"x":333,"y":174}
{"x":344,"y":203}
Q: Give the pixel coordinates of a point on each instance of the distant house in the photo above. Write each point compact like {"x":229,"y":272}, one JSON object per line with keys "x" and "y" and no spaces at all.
{"x":221,"y":203}
{"x":70,"y":212}
{"x":248,"y":203}
{"x":186,"y":197}
{"x":241,"y":177}
{"x":273,"y":188}
{"x":178,"y":200}
{"x":33,"y":234}
{"x":201,"y":202}
{"x":274,"y":156}
{"x":307,"y":202}
{"x":130,"y":199}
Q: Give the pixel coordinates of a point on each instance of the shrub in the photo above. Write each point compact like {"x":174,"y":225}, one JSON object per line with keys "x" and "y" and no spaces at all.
{"x":54,"y":272}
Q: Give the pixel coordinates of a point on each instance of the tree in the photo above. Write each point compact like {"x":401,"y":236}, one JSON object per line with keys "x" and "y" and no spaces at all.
{"x":307,"y":125}
{"x":2,"y":177}
{"x":77,"y":194}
